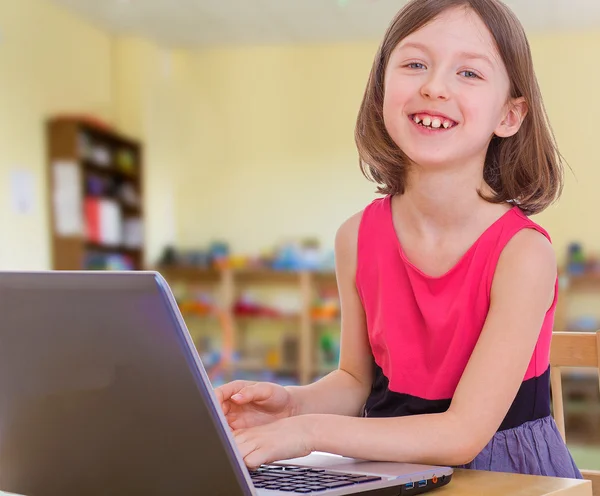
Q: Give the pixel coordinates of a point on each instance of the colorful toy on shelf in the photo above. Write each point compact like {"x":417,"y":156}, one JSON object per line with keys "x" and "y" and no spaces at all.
{"x":107,"y":261}
{"x":580,"y":263}
{"x":273,"y":358}
{"x":194,"y":307}
{"x":288,"y":256}
{"x":329,"y":348}
{"x":239,"y":262}
{"x":219,"y":253}
{"x":575,"y":259}
{"x":300,"y":255}
{"x":199,"y":303}
{"x":247,"y":305}
{"x":125,"y":161}
{"x":326,"y":307}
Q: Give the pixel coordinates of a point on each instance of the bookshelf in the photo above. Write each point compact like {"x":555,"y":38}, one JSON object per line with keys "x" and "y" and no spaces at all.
{"x":95,"y":180}
{"x":302,"y":361}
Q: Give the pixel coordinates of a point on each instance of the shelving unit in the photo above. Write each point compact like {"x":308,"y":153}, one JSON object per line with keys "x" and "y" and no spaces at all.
{"x":229,"y":283}
{"x":95,"y":178}
{"x":570,"y":286}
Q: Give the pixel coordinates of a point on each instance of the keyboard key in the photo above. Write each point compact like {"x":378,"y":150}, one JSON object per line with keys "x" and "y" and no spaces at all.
{"x":331,"y":485}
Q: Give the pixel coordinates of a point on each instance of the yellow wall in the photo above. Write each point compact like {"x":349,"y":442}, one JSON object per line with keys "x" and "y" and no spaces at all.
{"x":50,"y":62}
{"x":153,"y":90}
{"x":570,"y":82}
{"x":274,"y":156}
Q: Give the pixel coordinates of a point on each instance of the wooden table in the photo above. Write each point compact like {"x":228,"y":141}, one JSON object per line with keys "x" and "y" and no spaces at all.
{"x":483,"y":483}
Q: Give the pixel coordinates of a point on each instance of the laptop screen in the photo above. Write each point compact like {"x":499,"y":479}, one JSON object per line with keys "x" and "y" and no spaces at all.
{"x":100,"y":395}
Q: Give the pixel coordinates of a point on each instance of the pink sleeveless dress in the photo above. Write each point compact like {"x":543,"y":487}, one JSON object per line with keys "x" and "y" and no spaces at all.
{"x":423,"y":329}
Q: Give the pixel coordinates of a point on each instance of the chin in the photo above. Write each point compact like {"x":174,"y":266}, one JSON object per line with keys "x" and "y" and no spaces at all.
{"x":430,"y":161}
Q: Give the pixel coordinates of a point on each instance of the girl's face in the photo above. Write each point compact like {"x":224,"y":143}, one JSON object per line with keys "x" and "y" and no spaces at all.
{"x":446,"y":92}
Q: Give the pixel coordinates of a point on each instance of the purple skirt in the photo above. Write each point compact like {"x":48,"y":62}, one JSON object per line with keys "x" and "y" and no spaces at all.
{"x":533,"y":448}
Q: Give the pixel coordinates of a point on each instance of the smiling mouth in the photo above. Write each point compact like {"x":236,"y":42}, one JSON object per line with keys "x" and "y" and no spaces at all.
{"x":433,"y":122}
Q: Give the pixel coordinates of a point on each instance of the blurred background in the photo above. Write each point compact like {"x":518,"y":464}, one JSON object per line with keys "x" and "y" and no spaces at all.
{"x":212,"y":140}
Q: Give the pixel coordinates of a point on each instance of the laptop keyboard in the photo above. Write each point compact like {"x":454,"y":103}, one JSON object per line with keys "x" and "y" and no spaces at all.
{"x":302,"y":480}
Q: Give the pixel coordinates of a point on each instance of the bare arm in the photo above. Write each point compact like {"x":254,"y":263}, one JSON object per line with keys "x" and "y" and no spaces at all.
{"x":345,"y":390}
{"x":522,"y":292}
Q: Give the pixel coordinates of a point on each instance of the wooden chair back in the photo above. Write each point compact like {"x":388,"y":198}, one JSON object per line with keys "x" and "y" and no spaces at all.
{"x":573,"y":350}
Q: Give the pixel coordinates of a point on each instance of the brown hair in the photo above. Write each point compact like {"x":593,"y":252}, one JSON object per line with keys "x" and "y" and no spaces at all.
{"x":525,"y":168}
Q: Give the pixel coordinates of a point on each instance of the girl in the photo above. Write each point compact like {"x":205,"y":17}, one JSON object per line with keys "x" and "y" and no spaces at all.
{"x":448,"y":289}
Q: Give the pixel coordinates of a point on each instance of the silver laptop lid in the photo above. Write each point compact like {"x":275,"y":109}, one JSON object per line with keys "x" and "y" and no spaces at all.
{"x":101,"y":392}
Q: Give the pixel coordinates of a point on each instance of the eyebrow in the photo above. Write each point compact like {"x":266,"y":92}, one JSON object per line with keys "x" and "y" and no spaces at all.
{"x":466,"y":55}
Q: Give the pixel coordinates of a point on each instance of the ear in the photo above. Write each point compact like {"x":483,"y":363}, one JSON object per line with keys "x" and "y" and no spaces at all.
{"x":516,"y":110}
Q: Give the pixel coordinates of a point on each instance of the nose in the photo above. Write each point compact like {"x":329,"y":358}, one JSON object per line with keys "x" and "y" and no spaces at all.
{"x":435,"y":88}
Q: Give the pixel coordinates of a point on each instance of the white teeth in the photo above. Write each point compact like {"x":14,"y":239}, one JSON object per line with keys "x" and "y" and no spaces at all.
{"x":434,"y":123}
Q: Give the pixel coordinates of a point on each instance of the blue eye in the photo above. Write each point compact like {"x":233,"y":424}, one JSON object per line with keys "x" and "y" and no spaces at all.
{"x":470,"y":74}
{"x":416,"y":65}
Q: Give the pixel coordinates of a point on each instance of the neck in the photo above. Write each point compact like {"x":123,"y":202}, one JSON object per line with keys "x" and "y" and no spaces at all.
{"x":437,"y":200}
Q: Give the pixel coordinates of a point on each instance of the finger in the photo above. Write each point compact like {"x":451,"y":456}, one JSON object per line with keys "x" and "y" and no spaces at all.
{"x":225,"y":405}
{"x":237,"y":423}
{"x":226,"y":391}
{"x":244,"y":420}
{"x":244,"y":444}
{"x":255,"y":458}
{"x":254,"y":393}
{"x":232,"y":418}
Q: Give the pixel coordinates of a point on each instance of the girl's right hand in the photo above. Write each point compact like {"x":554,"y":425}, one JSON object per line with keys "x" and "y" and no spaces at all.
{"x":247,"y":404}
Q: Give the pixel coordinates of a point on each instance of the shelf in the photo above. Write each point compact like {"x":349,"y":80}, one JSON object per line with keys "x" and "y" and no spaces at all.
{"x":112,"y":249}
{"x":266,"y":276}
{"x":108,"y":171}
{"x":70,"y":141}
{"x":128,"y":210}
{"x":584,"y":282}
{"x":325,"y":279}
{"x":104,"y":133}
{"x":245,"y":276}
{"x":208,"y":317}
{"x":283,"y":319}
{"x":229,"y":281}
{"x":253,"y":366}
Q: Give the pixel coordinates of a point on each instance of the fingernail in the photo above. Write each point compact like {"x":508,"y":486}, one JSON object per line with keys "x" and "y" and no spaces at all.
{"x":237,"y":396}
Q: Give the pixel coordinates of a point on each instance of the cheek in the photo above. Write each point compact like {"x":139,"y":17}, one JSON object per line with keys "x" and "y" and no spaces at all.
{"x":482,"y":113}
{"x":394,"y":103}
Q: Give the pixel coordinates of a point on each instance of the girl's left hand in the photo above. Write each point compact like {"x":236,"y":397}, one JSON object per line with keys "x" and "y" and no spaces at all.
{"x":289,"y":437}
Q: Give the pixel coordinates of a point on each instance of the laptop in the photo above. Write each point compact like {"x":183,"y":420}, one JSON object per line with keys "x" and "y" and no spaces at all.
{"x":102,"y":392}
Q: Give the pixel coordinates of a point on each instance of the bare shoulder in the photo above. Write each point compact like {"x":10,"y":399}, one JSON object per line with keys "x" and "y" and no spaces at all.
{"x":348,"y":230}
{"x":529,"y":250}
{"x":346,"y":238}
{"x":527,"y":263}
